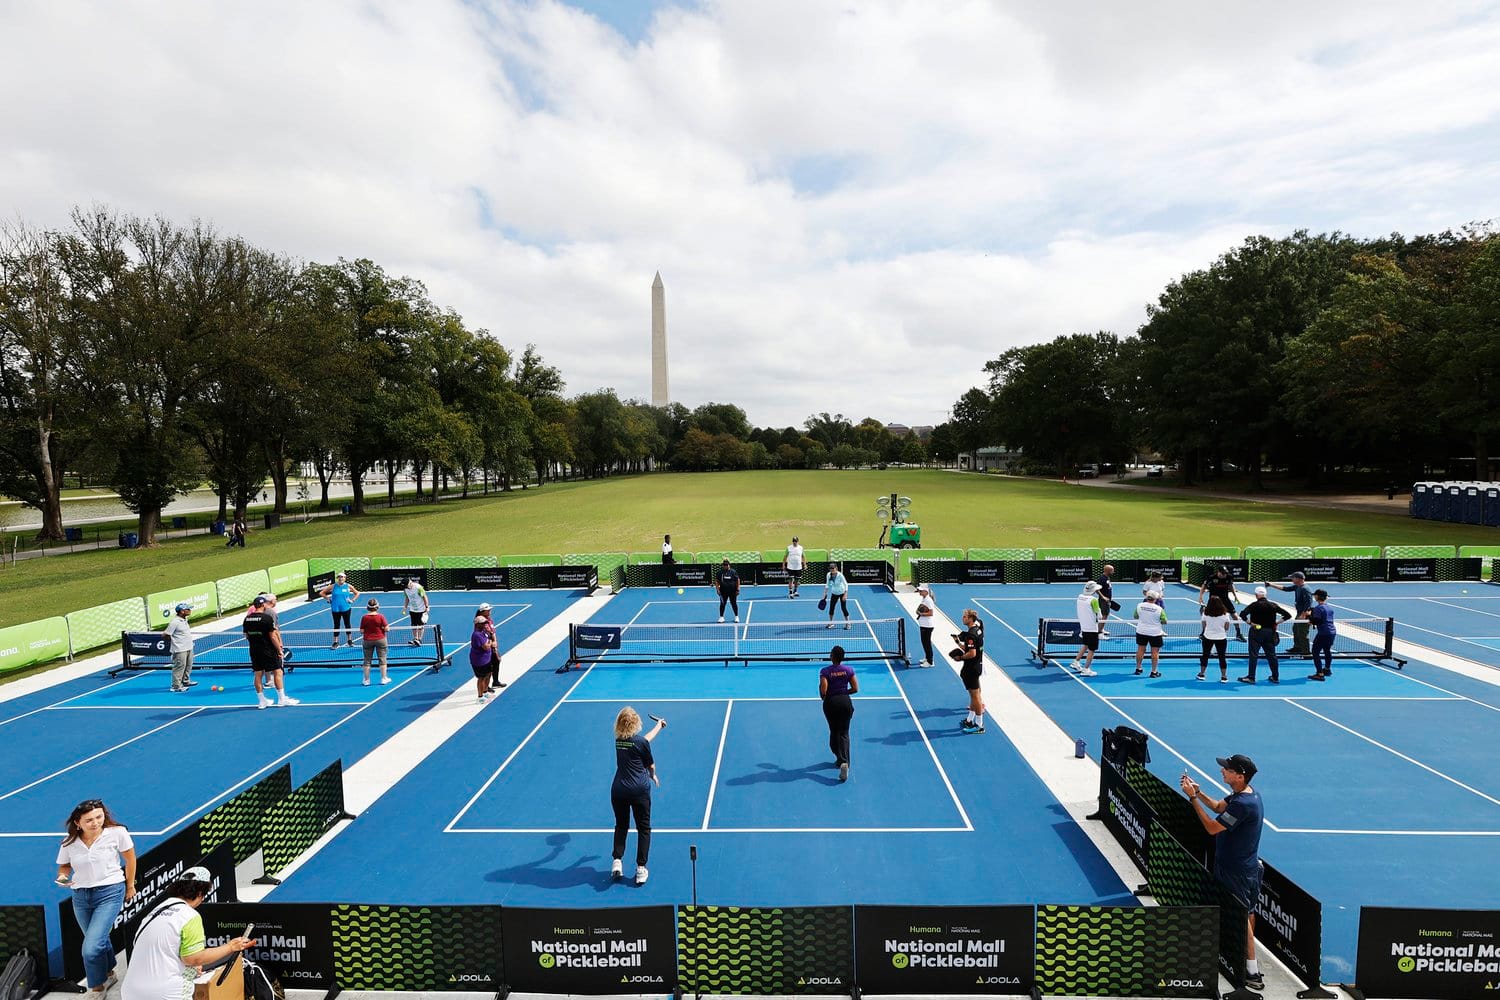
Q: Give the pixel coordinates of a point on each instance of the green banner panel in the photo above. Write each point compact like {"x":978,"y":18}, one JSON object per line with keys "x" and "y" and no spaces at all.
{"x":332,"y":564}
{"x":465,"y":562}
{"x":102,"y":624}
{"x":1137,"y":552}
{"x":808,"y":555}
{"x":32,"y":643}
{"x":786,"y":951}
{"x":239,"y":820}
{"x":605,"y":561}
{"x":1488,"y":554}
{"x":1420,"y":552}
{"x":646,"y":558}
{"x":295,"y":823}
{"x":1127,"y":951}
{"x":531,"y":559}
{"x":1278,"y":552}
{"x":1065,"y":553}
{"x":417,"y":949}
{"x":844,"y":555}
{"x":1350,"y":551}
{"x":400,"y":562}
{"x":288,"y":578}
{"x":905,"y":557}
{"x":1002,"y":554}
{"x":204,"y":597}
{"x":239,"y":591}
{"x":1206,"y":552}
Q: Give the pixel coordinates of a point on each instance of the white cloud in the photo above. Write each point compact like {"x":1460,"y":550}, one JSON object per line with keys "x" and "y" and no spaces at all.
{"x":853,"y":206}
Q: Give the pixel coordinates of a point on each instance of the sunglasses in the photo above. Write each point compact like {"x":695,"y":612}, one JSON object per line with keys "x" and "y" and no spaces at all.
{"x":89,"y":804}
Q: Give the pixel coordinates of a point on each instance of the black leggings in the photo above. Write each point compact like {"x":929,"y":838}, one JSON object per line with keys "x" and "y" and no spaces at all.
{"x":342,"y":616}
{"x":926,"y":631}
{"x":838,"y":709}
{"x":733,"y":600}
{"x":625,"y":804}
{"x":838,"y":600}
{"x":1212,"y":646}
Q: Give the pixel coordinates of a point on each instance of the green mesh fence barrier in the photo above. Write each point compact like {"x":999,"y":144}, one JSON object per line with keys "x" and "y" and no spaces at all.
{"x":1489,"y":554}
{"x":1002,"y":553}
{"x":1206,"y":552}
{"x":1347,"y":551}
{"x":1075,"y":553}
{"x":606,"y":562}
{"x":465,"y":562}
{"x":332,"y":564}
{"x":643,"y":558}
{"x":532,"y":559}
{"x":718,"y":555}
{"x":1278,"y":552}
{"x":204,"y":597}
{"x":400,"y":562}
{"x":905,"y":558}
{"x":840,"y":555}
{"x":102,"y":624}
{"x":36,"y":642}
{"x":1137,"y":552}
{"x":808,"y":555}
{"x":239,"y":590}
{"x":1420,"y":552}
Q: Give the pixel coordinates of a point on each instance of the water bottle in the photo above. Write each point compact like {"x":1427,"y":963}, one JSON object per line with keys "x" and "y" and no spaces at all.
{"x":1080,"y":749}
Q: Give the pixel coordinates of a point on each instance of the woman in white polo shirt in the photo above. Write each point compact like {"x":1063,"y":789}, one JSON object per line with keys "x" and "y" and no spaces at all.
{"x":97,"y":861}
{"x":169,"y":948}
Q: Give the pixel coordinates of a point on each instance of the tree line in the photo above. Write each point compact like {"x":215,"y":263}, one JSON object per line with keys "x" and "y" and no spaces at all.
{"x":154,"y":357}
{"x":1309,"y":354}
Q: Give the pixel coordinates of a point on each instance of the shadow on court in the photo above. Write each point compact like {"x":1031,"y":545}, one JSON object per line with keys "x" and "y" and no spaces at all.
{"x":777,"y":775}
{"x":580,"y":872}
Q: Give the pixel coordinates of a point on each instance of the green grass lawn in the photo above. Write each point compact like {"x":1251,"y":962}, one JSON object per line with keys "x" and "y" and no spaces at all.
{"x":736,"y":510}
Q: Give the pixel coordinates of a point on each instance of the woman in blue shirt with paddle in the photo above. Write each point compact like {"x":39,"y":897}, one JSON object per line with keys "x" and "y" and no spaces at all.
{"x":341,"y":594}
{"x":835,"y":593}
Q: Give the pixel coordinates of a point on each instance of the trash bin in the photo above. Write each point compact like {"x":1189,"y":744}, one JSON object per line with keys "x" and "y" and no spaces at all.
{"x":76,"y":534}
{"x":217,"y":528}
{"x":179,"y":522}
{"x":129,"y":540}
{"x":346,"y":509}
{"x":273,"y":520}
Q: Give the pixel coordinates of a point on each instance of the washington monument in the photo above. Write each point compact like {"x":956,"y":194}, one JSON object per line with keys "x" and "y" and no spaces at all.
{"x":660,"y":396}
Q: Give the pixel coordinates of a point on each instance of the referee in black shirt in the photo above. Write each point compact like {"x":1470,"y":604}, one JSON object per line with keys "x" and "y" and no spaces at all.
{"x":727,"y":583}
{"x":1263,"y":617}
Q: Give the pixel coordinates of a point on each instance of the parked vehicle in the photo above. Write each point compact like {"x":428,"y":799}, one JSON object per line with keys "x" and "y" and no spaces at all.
{"x":1088,"y":472}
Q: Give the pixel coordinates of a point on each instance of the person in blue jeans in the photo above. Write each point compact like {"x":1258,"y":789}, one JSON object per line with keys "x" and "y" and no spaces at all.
{"x":1263,"y":617}
{"x":1321,"y":618}
{"x":97,"y":861}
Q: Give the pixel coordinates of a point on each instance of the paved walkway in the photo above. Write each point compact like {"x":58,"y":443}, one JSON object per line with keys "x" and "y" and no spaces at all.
{"x":1372,"y":503}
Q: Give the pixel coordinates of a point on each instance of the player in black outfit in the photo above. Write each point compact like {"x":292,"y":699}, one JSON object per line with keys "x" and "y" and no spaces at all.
{"x":635,"y":773}
{"x":1106,"y":600}
{"x":727,"y":583}
{"x":1263,"y":617}
{"x":1221,"y":585}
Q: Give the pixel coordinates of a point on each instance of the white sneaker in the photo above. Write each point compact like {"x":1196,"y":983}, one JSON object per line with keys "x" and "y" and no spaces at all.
{"x":287,"y":699}
{"x":366,"y":682}
{"x":385,"y":680}
{"x":616,"y":869}
{"x":843,"y":772}
{"x":736,"y":619}
{"x":263,"y":702}
{"x":846,"y":626}
{"x":721,"y":619}
{"x":1088,"y":672}
{"x":641,"y":874}
{"x":1073,"y":665}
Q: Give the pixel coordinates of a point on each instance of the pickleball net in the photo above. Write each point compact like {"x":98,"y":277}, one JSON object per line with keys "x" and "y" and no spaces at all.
{"x":307,"y":648}
{"x":862,"y":639}
{"x":1357,"y":638}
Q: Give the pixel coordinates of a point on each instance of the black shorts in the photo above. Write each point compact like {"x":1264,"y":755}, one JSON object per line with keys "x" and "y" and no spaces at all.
{"x":264,"y":663}
{"x":484,"y":670}
{"x":1154,"y":641}
{"x":416,"y":617}
{"x":794,"y":576}
{"x":969,"y":674}
{"x":1089,"y":640}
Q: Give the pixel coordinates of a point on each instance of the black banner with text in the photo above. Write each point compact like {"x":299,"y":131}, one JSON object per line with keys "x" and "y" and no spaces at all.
{"x":963,"y":950}
{"x":629,"y":950}
{"x":1434,"y":954}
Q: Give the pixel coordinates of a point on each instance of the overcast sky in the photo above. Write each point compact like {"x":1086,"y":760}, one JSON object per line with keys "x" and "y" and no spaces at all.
{"x":853,"y":204}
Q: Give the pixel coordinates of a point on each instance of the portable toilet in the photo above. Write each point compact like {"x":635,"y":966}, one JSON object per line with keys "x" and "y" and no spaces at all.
{"x":1421,"y":500}
{"x":1491,"y":505}
{"x":1453,"y":507}
{"x":1473,"y":503}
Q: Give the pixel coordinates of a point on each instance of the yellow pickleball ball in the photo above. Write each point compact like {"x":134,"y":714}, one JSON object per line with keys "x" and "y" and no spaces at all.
{"x":680,"y":590}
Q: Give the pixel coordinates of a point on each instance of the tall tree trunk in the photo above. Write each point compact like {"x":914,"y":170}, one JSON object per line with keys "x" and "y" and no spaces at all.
{"x":357,"y":486}
{"x":1481,"y":457}
{"x":390,"y":484}
{"x":275,"y":452}
{"x":52,"y":527}
{"x":419,"y":469}
{"x":148,"y":522}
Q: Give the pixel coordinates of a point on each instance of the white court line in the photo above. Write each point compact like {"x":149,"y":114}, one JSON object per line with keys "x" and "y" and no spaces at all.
{"x":1254,"y":697}
{"x":1461,"y":607}
{"x":580,"y":831}
{"x":872,"y":697}
{"x":1392,"y":750}
{"x":1397,"y":833}
{"x":962,"y":813}
{"x":451,"y":828}
{"x":713,"y":782}
{"x":101,"y":753}
{"x":179,"y":705}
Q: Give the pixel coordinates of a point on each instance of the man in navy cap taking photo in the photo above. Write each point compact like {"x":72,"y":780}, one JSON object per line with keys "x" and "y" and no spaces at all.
{"x":1235,"y":823}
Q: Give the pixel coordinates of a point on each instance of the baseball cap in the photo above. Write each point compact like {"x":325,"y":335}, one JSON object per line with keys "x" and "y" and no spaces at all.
{"x":1299,"y":575}
{"x":1091,"y":587}
{"x":183,"y":606}
{"x":269,"y":597}
{"x":923,"y":588}
{"x":261,"y":600}
{"x":196,"y":874}
{"x":1239,"y":764}
{"x":1260,"y":591}
{"x":484,"y":607}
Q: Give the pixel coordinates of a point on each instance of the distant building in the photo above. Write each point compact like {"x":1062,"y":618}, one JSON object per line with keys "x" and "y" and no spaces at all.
{"x":921,"y":433}
{"x":997,"y":457}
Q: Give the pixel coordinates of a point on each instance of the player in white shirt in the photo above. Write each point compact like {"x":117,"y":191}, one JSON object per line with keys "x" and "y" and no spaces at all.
{"x":792,"y":563}
{"x":1150,"y":630}
{"x":1090,"y":614}
{"x":415,"y":603}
